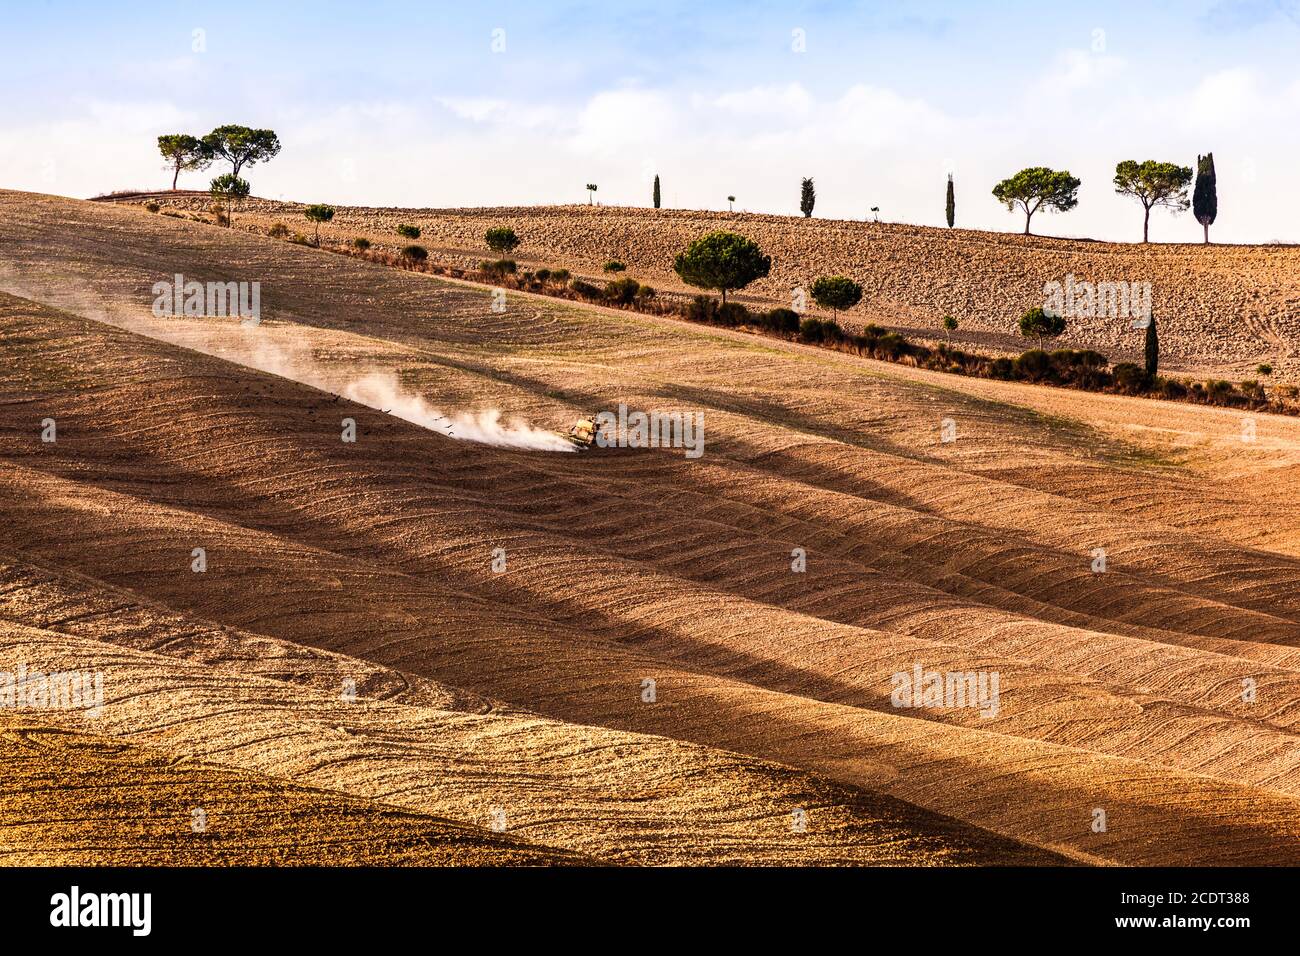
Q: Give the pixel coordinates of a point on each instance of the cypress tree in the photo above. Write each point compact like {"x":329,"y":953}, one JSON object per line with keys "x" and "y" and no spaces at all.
{"x":656,"y":190}
{"x":1205,"y":198}
{"x":807,"y":197}
{"x":952,"y":204}
{"x":1152,"y":348}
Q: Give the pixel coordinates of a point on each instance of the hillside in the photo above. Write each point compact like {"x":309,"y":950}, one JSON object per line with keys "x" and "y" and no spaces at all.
{"x":1222,"y":309}
{"x":524,"y":690}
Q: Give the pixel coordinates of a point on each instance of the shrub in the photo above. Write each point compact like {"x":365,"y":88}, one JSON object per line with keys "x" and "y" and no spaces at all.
{"x":501,"y":239}
{"x":1002,"y":368}
{"x":298,"y":239}
{"x":1171,"y":388}
{"x":614,"y":266}
{"x":361,"y":243}
{"x":499,"y":267}
{"x":415,"y":253}
{"x":152,"y":207}
{"x":890,"y":346}
{"x":732,"y":314}
{"x":702,"y":308}
{"x":1264,"y":369}
{"x":810,"y":330}
{"x":1033,"y":366}
{"x":408,"y":232}
{"x":783,"y":321}
{"x":560,"y":275}
{"x":645,"y":293}
{"x":278,"y":230}
{"x":586,"y":290}
{"x":1130,"y":377}
{"x":622,"y":291}
{"x":543,"y":276}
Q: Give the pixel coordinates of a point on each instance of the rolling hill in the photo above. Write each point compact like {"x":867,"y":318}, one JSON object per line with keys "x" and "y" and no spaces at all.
{"x":650,"y":677}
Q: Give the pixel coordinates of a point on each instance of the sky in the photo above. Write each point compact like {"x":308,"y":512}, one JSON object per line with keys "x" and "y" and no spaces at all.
{"x":495,"y":104}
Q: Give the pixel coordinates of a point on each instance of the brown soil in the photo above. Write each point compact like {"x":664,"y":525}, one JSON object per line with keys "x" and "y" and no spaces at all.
{"x":524,"y":690}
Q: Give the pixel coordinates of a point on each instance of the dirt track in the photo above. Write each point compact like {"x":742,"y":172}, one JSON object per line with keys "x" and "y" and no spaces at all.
{"x":524,"y":690}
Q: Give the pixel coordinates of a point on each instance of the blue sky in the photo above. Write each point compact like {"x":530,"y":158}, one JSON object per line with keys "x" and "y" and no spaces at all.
{"x":424,"y":105}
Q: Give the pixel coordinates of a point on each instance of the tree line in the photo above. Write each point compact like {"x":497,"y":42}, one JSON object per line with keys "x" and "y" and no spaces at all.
{"x":239,"y":146}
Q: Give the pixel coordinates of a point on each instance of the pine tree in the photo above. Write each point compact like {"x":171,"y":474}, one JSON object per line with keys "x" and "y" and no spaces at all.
{"x":807,"y":197}
{"x":952,"y":204}
{"x":656,"y":190}
{"x":1152,"y":348}
{"x":1205,"y":198}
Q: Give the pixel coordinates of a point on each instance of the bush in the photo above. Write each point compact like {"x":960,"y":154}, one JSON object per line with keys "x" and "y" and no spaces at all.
{"x":622,"y":291}
{"x":645,"y":293}
{"x":361,"y":243}
{"x":1033,"y":366}
{"x":1170,"y":388}
{"x":810,"y":330}
{"x":499,"y":267}
{"x":543,"y":276}
{"x":615,"y":266}
{"x":501,"y":239}
{"x":278,"y":230}
{"x":560,"y":275}
{"x":782,"y":321}
{"x":1130,"y":377}
{"x":1002,"y":368}
{"x":586,"y":290}
{"x":732,"y":314}
{"x":1264,"y":369}
{"x":702,"y":308}
{"x":408,"y":232}
{"x":298,"y":239}
{"x":890,"y":346}
{"x":152,"y":207}
{"x":415,"y":253}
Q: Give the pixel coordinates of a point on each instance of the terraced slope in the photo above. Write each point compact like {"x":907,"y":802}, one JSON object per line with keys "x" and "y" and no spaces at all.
{"x":1163,"y":690}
